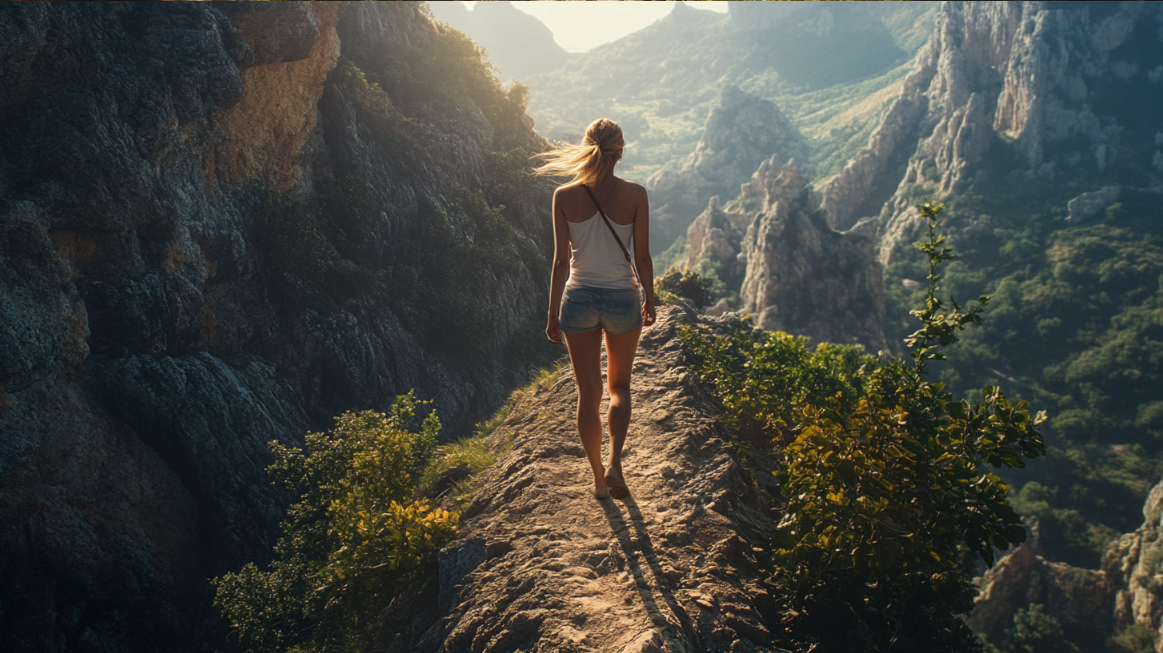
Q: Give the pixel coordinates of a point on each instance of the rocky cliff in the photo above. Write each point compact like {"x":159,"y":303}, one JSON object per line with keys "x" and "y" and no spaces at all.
{"x":792,"y":271}
{"x":740,"y":133}
{"x":1012,"y":88}
{"x":1092,"y":606}
{"x":147,"y":353}
{"x":540,"y":565}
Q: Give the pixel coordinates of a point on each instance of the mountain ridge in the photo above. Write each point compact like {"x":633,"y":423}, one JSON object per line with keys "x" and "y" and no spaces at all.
{"x":540,"y":565}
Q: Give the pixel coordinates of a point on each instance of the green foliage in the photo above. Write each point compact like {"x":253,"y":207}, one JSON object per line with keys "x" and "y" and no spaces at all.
{"x":882,"y":473}
{"x":688,"y":284}
{"x":937,"y":325}
{"x":354,"y":540}
{"x":762,"y":380}
{"x":1034,"y":631}
{"x":1076,"y":323}
{"x":302,"y":242}
{"x":1136,"y":638}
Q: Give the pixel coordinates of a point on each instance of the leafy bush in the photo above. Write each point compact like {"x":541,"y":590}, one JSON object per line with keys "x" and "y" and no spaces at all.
{"x":762,"y":380}
{"x":1034,"y":631}
{"x":881,"y":473}
{"x":1136,"y":638}
{"x":354,"y":540}
{"x":687,"y":284}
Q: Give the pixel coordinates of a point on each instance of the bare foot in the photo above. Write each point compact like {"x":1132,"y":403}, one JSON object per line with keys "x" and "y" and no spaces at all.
{"x":615,"y":483}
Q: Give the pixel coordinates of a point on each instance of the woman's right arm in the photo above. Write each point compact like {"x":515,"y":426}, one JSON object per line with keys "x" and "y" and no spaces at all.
{"x":560,"y":269}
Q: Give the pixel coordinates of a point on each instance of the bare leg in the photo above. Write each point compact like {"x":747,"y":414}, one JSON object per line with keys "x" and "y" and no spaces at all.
{"x":585,"y":353}
{"x":620,"y":350}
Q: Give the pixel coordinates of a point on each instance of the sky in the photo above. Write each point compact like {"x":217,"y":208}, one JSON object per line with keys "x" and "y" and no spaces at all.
{"x":580,"y":26}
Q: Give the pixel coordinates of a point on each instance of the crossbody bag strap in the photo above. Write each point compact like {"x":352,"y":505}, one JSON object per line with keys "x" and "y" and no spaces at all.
{"x":625,"y":252}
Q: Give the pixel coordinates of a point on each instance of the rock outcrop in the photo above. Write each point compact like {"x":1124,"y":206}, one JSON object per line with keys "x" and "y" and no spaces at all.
{"x":803,"y":277}
{"x":143,"y":363}
{"x":1079,"y":599}
{"x":792,"y":271}
{"x":1091,"y":605}
{"x":540,"y":565}
{"x":1029,"y":79}
{"x":743,"y":131}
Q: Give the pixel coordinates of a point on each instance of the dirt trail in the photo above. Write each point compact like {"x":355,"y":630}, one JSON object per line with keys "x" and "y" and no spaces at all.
{"x":540,"y":565}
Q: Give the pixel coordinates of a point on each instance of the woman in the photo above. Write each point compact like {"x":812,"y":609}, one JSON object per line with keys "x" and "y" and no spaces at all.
{"x":598,"y":220}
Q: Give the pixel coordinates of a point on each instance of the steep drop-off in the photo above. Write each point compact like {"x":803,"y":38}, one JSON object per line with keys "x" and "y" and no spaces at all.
{"x":147,"y":350}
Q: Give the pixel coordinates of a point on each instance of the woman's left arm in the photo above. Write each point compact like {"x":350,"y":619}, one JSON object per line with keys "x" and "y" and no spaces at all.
{"x":642,"y":258}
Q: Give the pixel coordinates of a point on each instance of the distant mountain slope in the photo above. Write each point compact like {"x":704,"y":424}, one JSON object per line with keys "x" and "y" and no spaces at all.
{"x":519,"y":44}
{"x":819,"y":63}
{"x":740,"y":133}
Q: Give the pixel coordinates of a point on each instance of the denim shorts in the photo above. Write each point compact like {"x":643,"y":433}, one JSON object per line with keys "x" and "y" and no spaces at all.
{"x":585,"y":309}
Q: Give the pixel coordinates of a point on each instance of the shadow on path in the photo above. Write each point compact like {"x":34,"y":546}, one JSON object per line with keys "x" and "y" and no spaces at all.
{"x":634,"y":540}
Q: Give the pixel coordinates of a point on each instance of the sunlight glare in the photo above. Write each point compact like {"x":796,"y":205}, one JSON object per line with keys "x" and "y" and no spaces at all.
{"x":581,"y":26}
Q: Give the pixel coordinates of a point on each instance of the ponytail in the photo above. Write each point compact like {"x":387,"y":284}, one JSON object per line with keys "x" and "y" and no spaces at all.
{"x":591,"y":160}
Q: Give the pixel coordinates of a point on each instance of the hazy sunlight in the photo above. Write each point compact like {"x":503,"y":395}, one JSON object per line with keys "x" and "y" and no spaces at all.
{"x":581,"y":26}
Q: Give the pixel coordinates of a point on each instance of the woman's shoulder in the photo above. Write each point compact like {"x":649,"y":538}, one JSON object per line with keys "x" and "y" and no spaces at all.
{"x":568,"y":190}
{"x":638,"y":190}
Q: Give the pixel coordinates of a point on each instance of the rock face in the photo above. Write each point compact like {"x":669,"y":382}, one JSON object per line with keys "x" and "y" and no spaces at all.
{"x":1091,"y":605}
{"x":1034,"y":75}
{"x":743,"y":131}
{"x":143,"y":365}
{"x":803,"y":277}
{"x":1079,"y":599}
{"x":793,"y":271}
{"x":540,"y":565}
{"x":1088,"y":205}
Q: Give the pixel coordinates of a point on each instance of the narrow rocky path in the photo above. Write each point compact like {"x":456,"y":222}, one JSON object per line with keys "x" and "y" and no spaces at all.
{"x":540,"y":565}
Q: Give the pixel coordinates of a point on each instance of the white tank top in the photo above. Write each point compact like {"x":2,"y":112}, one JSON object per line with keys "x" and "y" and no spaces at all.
{"x":596,"y":261}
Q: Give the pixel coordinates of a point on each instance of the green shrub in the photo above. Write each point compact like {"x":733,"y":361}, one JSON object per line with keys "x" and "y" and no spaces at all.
{"x":688,"y":284}
{"x":1075,"y":326}
{"x":355,"y":539}
{"x":762,"y":380}
{"x":1034,"y":631}
{"x":881,"y":472}
{"x":1136,"y":638}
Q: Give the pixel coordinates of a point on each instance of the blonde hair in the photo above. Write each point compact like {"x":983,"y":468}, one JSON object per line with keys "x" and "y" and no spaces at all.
{"x":592,"y":160}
